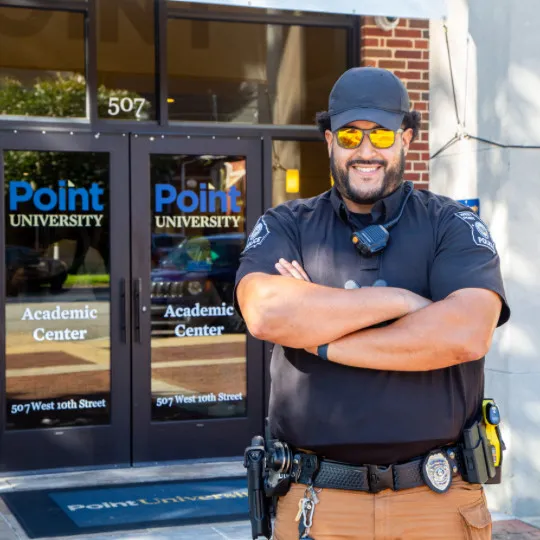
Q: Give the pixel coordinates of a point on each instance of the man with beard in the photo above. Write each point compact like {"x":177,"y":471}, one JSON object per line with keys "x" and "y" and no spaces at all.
{"x":381,"y":301}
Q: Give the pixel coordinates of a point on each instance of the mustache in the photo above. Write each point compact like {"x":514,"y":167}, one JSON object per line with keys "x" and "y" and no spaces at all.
{"x":361,"y":162}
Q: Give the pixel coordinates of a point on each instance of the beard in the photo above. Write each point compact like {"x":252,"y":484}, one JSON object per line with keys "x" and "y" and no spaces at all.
{"x":393,"y":178}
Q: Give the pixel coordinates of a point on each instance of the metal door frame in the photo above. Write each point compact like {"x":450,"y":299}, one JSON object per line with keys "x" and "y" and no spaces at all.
{"x":165,"y":441}
{"x":99,"y":445}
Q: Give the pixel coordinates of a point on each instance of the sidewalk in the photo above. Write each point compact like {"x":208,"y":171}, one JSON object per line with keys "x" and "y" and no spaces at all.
{"x":11,"y":530}
{"x":514,"y":530}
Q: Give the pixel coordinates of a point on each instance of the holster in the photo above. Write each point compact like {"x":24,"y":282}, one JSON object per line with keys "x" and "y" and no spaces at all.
{"x":478,"y":455}
{"x":259,"y":514}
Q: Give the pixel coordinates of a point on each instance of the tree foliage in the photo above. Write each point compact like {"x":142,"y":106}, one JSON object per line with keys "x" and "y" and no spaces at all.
{"x":61,"y":97}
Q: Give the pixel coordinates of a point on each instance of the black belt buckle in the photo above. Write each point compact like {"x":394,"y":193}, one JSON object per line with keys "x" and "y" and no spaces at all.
{"x":380,"y":478}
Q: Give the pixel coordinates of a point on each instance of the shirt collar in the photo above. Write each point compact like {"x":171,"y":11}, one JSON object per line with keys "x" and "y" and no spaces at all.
{"x":385,"y":208}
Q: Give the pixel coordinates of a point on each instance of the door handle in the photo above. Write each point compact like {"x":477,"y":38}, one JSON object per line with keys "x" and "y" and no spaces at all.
{"x":123,"y":310}
{"x":137,"y":289}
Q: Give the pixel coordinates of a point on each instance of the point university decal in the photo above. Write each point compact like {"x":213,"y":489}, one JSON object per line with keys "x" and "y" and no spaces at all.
{"x":479,"y":231}
{"x":258,"y":234}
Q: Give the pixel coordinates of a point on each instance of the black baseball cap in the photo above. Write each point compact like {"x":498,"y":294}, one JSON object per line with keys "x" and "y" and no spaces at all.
{"x":368,"y":93}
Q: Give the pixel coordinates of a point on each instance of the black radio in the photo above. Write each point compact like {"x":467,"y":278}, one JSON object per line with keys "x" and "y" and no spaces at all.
{"x":374,"y":238}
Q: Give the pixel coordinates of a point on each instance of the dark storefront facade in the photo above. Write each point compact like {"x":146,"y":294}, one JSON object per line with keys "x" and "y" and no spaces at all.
{"x":139,"y":141}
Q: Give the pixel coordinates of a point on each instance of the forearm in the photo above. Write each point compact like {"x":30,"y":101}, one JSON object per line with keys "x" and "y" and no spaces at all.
{"x":299,"y":314}
{"x":432,"y":338}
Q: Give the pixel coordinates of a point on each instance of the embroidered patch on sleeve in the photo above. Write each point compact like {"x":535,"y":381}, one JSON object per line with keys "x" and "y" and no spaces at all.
{"x":258,"y":234}
{"x":479,"y":231}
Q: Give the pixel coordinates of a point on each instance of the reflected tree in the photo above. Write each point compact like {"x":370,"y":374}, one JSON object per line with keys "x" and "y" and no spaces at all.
{"x":61,"y":97}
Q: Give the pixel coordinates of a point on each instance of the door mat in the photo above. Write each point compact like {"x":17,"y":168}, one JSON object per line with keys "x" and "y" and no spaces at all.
{"x":47,"y":513}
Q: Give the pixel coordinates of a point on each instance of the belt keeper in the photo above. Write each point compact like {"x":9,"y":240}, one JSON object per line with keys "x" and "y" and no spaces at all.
{"x":309,"y":466}
{"x":452,"y":454}
{"x":296,"y":467}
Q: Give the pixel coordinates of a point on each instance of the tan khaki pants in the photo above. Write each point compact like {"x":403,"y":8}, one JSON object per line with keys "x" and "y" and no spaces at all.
{"x":410,"y":514}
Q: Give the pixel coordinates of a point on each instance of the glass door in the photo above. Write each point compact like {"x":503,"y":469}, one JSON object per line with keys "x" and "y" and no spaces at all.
{"x":64,"y":330}
{"x":197,"y":375}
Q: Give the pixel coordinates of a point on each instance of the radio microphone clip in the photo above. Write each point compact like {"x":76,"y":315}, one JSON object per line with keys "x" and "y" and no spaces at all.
{"x":370,"y":240}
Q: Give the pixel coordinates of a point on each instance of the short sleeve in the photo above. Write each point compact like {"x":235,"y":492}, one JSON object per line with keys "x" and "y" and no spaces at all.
{"x":465,"y":257}
{"x":275,"y":235}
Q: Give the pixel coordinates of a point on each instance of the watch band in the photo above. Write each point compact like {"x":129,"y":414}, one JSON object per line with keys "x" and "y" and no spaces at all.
{"x":322,"y":351}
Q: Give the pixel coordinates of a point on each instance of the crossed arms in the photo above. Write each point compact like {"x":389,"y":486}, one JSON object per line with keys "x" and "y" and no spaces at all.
{"x":291,"y":311}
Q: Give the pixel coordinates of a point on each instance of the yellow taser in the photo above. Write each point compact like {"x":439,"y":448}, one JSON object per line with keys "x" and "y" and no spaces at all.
{"x":492,"y":418}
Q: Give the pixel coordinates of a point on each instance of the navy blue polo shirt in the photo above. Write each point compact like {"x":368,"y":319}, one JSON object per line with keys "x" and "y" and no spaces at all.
{"x":366,"y":416}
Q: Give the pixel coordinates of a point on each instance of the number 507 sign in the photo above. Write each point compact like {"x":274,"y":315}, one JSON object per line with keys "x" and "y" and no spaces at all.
{"x":126,"y":105}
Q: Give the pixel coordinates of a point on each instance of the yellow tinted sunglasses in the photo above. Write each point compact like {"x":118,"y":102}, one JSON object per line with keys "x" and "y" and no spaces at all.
{"x":351,"y":137}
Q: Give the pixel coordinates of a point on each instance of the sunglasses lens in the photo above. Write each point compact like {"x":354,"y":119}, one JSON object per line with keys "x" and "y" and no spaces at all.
{"x":349,"y":138}
{"x":382,"y":138}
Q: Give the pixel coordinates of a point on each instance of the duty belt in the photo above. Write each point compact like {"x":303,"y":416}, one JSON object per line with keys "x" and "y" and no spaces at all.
{"x":321,"y":473}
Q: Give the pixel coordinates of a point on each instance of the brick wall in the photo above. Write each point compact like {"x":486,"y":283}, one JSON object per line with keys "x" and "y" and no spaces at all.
{"x":405,"y":51}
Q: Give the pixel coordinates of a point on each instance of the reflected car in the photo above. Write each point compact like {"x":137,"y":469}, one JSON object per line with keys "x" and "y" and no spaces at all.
{"x":28,"y":270}
{"x":202,"y":271}
{"x":162,"y":244}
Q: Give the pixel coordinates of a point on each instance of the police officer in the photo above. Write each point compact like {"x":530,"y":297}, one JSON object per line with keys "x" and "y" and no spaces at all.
{"x":381,"y":301}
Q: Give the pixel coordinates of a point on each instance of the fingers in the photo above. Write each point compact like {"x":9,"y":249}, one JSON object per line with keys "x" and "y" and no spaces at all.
{"x":282,"y":270}
{"x":285,"y":268}
{"x":301,"y":271}
{"x":295,"y":270}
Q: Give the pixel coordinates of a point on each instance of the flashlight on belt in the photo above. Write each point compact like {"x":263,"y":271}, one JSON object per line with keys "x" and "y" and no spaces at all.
{"x":492,"y":419}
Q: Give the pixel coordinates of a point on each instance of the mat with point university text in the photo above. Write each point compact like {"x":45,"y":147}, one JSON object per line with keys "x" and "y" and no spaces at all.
{"x":47,"y":513}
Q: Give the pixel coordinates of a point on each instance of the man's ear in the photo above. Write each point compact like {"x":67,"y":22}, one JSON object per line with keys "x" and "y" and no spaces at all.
{"x":329,"y":136}
{"x":407,"y":137}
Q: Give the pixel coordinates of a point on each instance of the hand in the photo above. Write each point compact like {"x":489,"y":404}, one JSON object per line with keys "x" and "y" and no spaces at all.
{"x":294,"y":270}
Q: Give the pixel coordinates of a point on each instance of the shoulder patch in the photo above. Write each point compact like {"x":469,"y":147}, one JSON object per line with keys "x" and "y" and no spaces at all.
{"x":479,"y":231}
{"x":258,"y":234}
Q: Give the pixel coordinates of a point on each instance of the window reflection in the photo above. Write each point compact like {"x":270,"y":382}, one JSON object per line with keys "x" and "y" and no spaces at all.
{"x":310,"y":159}
{"x":176,"y":6}
{"x":57,"y":283}
{"x":283,"y":76}
{"x":126,"y":59}
{"x":42,"y":63}
{"x":198,"y":339}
